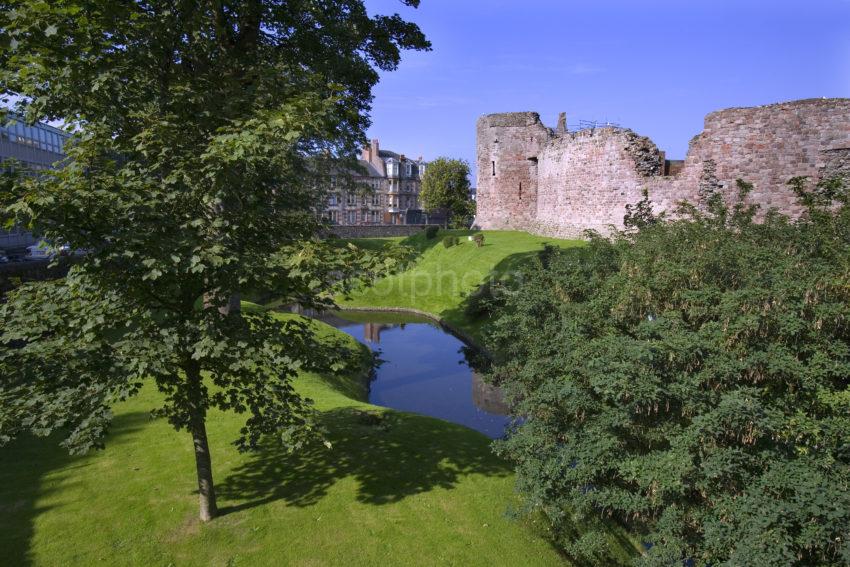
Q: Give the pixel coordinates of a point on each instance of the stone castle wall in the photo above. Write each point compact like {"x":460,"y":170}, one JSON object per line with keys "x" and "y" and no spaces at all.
{"x":374,"y":230}
{"x":560,"y":183}
{"x":508,"y":149}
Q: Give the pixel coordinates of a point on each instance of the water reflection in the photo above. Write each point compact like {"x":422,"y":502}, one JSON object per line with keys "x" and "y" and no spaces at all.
{"x":424,"y":370}
{"x":487,"y":396}
{"x":372,"y":332}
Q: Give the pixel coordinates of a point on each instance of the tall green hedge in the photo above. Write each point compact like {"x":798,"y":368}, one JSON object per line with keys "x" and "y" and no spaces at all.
{"x":689,"y":380}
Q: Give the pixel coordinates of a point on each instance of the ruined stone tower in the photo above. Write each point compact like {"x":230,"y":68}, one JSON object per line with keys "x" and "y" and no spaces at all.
{"x":508,"y":150}
{"x":560,"y":183}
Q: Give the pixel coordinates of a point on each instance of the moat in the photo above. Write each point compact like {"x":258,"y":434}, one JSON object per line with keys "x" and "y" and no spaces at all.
{"x":424,"y":370}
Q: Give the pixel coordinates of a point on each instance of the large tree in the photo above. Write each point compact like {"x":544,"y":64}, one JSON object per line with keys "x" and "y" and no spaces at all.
{"x":201,"y":130}
{"x":445,"y":188}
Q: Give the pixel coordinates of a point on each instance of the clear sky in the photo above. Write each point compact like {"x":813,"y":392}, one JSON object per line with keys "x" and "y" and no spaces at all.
{"x":656,"y":66}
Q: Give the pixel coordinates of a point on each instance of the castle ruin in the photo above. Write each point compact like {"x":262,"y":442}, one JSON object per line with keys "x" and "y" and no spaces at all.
{"x":559,"y":183}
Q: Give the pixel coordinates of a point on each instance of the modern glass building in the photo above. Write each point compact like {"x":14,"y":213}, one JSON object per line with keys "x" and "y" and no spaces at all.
{"x":36,"y":145}
{"x":35,"y":148}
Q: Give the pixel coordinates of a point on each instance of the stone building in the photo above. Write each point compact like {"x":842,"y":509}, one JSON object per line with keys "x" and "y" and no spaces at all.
{"x":391,"y":196}
{"x":561,"y":182}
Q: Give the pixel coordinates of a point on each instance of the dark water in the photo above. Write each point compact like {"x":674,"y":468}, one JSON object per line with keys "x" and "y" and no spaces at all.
{"x":424,"y":371}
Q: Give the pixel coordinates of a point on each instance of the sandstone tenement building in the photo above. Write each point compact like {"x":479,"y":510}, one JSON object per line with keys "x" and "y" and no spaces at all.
{"x":559,"y":183}
{"x":393,"y":181}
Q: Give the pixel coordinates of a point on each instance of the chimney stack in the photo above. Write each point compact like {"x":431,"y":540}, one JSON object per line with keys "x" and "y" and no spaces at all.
{"x":562,"y":123}
{"x":370,"y":152}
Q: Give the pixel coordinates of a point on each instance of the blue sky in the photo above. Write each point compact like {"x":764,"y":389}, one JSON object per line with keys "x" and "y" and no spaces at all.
{"x":655,"y":66}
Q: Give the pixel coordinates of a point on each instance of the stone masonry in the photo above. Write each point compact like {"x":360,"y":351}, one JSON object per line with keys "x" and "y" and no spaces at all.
{"x":560,"y":183}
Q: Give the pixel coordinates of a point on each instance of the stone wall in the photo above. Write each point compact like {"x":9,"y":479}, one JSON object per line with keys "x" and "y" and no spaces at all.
{"x":375,"y":231}
{"x":586,"y":179}
{"x":508,"y":150}
{"x":576,"y":181}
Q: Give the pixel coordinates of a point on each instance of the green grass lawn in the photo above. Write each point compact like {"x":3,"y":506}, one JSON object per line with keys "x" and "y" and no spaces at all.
{"x":442,"y":278}
{"x":395,"y":489}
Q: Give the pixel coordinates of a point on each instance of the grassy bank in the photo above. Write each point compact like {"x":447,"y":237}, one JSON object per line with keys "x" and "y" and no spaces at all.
{"x":442,"y":278}
{"x":394,"y":489}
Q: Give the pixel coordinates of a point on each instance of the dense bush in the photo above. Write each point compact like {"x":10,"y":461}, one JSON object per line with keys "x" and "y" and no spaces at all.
{"x":485,"y":300}
{"x":431,"y":231}
{"x":478,"y":238}
{"x":689,"y":380}
{"x":450,"y":241}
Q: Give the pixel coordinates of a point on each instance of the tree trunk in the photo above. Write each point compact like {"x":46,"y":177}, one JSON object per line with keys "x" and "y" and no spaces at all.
{"x":233,"y":306}
{"x":206,"y":489}
{"x":208,"y":509}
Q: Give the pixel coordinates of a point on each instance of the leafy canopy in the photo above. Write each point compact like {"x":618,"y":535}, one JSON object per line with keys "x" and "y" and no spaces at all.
{"x":200,"y":128}
{"x":691,"y":381}
{"x":445,"y":187}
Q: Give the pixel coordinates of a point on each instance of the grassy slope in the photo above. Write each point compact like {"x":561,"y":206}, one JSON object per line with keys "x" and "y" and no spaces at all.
{"x":442,"y":277}
{"x":410,"y":490}
{"x":439,"y":283}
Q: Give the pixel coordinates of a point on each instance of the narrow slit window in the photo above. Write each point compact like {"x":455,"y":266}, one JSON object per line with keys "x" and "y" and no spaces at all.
{"x":494,"y":168}
{"x":520,"y":190}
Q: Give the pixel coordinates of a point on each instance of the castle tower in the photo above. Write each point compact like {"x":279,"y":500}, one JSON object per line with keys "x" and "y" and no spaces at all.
{"x":508,"y":149}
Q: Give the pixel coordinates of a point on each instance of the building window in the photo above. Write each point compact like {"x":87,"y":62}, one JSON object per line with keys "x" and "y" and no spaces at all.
{"x":351,"y":199}
{"x":494,"y":168}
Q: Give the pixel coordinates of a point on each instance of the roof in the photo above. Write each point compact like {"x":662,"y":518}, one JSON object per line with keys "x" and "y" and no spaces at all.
{"x":371,"y":170}
{"x":388,"y":154}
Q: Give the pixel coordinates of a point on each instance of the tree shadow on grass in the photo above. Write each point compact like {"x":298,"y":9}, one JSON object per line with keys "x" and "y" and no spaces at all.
{"x":505,"y":271}
{"x":419,"y":243}
{"x":24,"y":464}
{"x":469,"y":313}
{"x":391,"y":455}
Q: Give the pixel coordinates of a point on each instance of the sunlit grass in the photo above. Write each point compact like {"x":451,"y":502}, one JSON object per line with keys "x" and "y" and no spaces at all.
{"x":442,"y":278}
{"x":394,"y":489}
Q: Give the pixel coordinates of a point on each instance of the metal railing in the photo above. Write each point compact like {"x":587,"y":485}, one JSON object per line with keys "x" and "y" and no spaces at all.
{"x":593,"y":125}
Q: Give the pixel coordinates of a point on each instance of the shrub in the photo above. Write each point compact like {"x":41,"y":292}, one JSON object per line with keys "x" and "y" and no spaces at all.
{"x":478,"y":238}
{"x":690,"y":381}
{"x":431,"y":231}
{"x":450,"y":241}
{"x":484,"y":301}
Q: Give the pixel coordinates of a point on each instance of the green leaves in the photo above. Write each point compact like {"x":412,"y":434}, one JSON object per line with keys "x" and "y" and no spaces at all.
{"x":689,"y":380}
{"x":445,"y":186}
{"x":200,"y":130}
